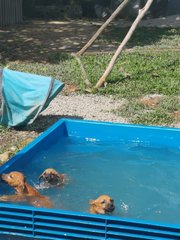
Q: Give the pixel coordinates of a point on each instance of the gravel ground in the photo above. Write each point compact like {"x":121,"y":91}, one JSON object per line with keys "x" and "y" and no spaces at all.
{"x":89,"y":107}
{"x":169,"y":21}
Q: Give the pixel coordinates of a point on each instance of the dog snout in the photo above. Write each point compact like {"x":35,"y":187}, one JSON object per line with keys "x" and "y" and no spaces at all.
{"x":45,"y":177}
{"x":48,"y":177}
{"x":3,"y":177}
{"x":112,"y":207}
{"x":112,"y":204}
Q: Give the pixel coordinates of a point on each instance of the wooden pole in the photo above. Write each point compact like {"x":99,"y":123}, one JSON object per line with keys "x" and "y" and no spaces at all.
{"x":100,"y":30}
{"x":84,"y":74}
{"x":141,"y":14}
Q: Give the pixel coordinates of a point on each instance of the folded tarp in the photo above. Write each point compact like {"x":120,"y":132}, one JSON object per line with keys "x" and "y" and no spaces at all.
{"x":23,"y":96}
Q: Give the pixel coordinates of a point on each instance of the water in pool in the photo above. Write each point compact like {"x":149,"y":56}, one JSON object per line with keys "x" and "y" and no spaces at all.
{"x":143,"y":180}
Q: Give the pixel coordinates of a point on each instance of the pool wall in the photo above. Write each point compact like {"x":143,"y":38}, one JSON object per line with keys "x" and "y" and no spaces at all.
{"x":36,"y":223}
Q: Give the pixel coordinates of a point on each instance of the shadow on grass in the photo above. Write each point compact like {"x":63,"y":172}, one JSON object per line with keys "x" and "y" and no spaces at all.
{"x":51,"y":41}
{"x":43,"y":41}
{"x":43,"y":122}
{"x":142,"y":36}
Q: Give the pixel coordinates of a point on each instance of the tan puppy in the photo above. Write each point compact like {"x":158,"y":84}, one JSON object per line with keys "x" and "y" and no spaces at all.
{"x":24,"y":191}
{"x":104,"y":204}
{"x":52,"y":177}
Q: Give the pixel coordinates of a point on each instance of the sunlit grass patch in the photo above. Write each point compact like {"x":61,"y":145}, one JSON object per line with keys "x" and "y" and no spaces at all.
{"x":161,"y":114}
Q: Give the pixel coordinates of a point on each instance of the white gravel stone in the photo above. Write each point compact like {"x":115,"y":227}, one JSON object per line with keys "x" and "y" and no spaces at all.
{"x":89,"y":107}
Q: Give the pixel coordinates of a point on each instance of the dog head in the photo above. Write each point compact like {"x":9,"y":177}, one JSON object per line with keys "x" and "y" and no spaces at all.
{"x":104,"y":204}
{"x":14,"y":179}
{"x":52,"y":177}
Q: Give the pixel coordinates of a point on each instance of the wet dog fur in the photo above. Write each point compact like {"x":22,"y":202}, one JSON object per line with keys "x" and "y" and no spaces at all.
{"x":23,"y":191}
{"x":51,"y":177}
{"x":104,"y":204}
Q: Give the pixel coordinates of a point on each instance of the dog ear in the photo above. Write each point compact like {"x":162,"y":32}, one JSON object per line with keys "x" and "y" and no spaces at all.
{"x":92,"y":202}
{"x":62,"y":177}
{"x":41,"y":176}
{"x":22,"y":185}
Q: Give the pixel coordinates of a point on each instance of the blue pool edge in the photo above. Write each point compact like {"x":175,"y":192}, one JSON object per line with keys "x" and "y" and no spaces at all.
{"x":30,"y":221}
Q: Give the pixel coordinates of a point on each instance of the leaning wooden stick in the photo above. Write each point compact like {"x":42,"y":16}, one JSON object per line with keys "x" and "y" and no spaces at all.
{"x":141,"y":14}
{"x":84,"y":74}
{"x":100,"y":30}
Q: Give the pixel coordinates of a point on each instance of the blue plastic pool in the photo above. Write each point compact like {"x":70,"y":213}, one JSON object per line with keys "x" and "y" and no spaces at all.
{"x":138,"y":166}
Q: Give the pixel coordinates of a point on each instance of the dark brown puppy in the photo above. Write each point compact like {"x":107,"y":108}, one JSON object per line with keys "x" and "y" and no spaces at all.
{"x":24,"y":191}
{"x":51,"y":177}
{"x":104,"y":204}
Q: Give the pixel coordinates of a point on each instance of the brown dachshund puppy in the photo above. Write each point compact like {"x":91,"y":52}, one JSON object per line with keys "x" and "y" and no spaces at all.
{"x":24,"y":191}
{"x":102,"y":205}
{"x":51,"y":177}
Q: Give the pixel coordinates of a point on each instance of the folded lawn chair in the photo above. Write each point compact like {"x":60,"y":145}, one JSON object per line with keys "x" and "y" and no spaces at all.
{"x":23,"y":96}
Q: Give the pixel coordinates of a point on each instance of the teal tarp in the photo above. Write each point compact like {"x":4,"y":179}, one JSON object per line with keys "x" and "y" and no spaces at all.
{"x":24,"y":96}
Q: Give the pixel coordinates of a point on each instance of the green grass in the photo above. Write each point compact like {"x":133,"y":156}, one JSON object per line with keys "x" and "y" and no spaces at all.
{"x":67,"y":70}
{"x":148,"y":37}
{"x":156,"y":117}
{"x":135,"y":73}
{"x":138,"y":113}
{"x":2,"y":128}
{"x":138,"y":73}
